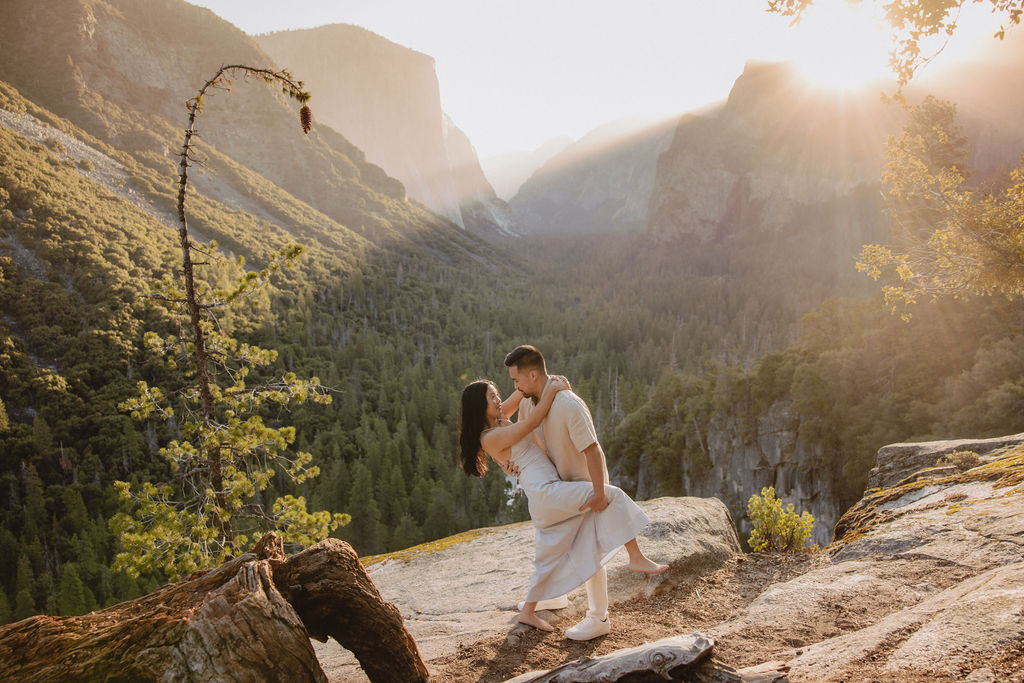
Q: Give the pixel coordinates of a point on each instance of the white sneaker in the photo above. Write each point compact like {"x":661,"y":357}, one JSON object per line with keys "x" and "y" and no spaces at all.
{"x":551,"y":603}
{"x":590,"y":628}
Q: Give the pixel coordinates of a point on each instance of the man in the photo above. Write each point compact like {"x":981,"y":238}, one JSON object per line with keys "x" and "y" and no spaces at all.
{"x":568,"y":436}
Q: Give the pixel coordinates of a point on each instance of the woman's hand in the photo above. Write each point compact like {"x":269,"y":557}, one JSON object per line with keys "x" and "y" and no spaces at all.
{"x":558,"y":383}
{"x":562,"y":378}
{"x":509,"y":468}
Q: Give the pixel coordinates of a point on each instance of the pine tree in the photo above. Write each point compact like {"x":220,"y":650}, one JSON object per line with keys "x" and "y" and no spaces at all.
{"x":42,"y":437}
{"x":406,"y":534}
{"x":24,"y":605}
{"x":365,"y":531}
{"x":26,"y":581}
{"x":440,"y":519}
{"x":35,"y":506}
{"x":71,"y":599}
{"x":6,"y":615}
{"x":226,"y":456}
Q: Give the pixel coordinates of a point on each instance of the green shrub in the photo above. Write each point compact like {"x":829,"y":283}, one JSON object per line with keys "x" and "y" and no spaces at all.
{"x":776,"y":529}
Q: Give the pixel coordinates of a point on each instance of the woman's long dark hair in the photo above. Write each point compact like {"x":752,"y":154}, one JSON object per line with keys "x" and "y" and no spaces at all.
{"x":472,"y":421}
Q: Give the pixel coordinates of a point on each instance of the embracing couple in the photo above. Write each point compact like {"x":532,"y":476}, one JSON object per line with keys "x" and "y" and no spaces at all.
{"x":581,"y":521}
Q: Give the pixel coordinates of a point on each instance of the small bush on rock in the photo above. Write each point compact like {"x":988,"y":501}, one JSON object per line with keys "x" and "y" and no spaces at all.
{"x":776,"y":529}
{"x":963,"y":460}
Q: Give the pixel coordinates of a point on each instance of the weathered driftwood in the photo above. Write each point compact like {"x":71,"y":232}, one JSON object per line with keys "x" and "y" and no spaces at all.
{"x":232,"y":623}
{"x":678,"y":658}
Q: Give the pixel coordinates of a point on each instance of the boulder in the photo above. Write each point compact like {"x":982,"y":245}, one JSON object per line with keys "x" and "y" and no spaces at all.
{"x":465,"y":588}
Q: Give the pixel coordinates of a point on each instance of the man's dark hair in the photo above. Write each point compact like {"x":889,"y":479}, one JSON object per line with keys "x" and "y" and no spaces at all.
{"x":526,"y":358}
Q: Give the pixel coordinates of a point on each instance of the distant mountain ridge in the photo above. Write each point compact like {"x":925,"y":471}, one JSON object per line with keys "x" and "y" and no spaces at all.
{"x":508,"y":172}
{"x":386,"y":97}
{"x":602,"y":182}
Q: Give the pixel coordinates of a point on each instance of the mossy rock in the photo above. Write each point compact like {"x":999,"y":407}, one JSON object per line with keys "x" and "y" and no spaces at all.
{"x":1005,"y":470}
{"x":428,"y":548}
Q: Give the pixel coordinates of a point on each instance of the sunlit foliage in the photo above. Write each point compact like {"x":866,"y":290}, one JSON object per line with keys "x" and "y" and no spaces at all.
{"x":949,"y":238}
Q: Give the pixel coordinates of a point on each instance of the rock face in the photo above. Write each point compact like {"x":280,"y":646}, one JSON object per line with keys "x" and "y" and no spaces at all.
{"x":600,"y":183}
{"x":743,"y":456}
{"x":386,"y":99}
{"x":926,"y":583}
{"x":897,"y":461}
{"x":465,"y":588}
{"x":775,"y":155}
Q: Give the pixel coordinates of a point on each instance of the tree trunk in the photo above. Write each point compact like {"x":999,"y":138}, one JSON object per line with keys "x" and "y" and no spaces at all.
{"x":228,"y":624}
{"x":331,"y":591}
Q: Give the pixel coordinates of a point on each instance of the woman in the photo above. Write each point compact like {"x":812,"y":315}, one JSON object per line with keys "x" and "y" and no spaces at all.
{"x":571,"y":545}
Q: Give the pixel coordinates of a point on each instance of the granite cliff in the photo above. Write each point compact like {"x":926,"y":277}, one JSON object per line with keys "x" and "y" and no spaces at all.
{"x":780,"y":158}
{"x":386,"y":99}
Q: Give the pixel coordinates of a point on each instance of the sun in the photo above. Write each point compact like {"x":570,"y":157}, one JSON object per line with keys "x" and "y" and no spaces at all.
{"x":841,"y":46}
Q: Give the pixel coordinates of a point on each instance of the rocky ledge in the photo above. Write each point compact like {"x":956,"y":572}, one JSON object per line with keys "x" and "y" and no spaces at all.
{"x":463,"y":589}
{"x":924,"y":581}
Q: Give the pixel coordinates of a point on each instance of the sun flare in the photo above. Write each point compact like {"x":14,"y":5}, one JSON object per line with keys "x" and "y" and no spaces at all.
{"x":841,"y":46}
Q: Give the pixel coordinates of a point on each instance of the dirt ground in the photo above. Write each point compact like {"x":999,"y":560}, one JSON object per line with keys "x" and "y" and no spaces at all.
{"x":696,"y":606}
{"x":703,"y":605}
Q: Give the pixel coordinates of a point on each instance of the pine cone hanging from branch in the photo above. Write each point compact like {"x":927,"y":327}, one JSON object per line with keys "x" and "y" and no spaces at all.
{"x":306,"y":118}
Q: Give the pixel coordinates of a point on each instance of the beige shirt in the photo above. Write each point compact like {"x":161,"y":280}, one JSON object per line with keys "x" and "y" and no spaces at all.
{"x":564,"y":434}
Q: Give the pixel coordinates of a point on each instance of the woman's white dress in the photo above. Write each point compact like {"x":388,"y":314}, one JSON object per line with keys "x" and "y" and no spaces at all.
{"x":571,"y":545}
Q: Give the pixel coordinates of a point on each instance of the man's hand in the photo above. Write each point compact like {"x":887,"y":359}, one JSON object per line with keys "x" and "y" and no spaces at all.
{"x":509,"y":468}
{"x":596,"y":503}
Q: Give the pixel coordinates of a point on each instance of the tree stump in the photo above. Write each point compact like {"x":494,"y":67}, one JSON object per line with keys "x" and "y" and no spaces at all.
{"x":233,"y":623}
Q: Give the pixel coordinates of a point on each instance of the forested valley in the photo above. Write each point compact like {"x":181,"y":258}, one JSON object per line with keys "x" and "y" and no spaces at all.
{"x":394,"y":311}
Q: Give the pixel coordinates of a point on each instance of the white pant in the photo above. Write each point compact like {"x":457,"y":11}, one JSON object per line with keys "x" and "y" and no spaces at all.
{"x":597,"y":594}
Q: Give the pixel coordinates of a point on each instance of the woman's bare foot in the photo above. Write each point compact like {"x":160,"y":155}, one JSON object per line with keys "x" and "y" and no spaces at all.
{"x":646,"y":566}
{"x":533,"y":620}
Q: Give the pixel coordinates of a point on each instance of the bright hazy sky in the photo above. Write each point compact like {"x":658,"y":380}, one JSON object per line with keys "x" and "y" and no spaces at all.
{"x":516,"y":73}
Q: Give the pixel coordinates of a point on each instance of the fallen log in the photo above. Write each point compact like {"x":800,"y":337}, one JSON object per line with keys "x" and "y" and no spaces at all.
{"x":232,"y":623}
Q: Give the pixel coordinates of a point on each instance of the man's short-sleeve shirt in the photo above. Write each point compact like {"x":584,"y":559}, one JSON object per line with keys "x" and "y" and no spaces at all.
{"x":566,"y":432}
